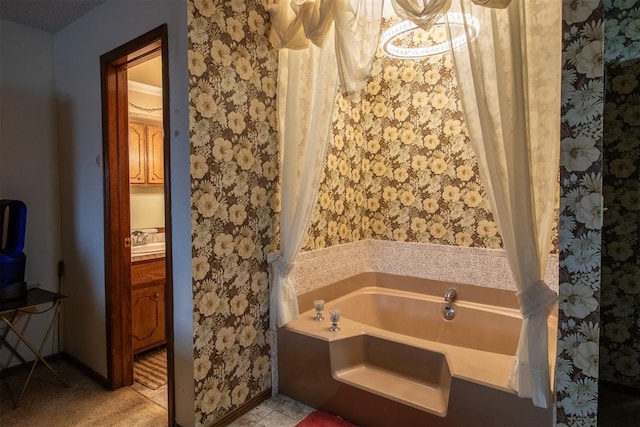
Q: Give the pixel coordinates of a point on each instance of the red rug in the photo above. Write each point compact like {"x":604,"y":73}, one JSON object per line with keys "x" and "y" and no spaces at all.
{"x":323,"y":419}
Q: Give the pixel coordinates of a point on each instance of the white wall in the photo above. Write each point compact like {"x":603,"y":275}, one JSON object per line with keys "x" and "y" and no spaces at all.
{"x":77,"y":69}
{"x":29,"y":160}
{"x":145,"y":100}
{"x":147,"y":207}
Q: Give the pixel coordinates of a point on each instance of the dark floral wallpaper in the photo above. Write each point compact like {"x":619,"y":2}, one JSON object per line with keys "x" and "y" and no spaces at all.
{"x":401,"y":166}
{"x":620,"y":334}
{"x":621,"y":30}
{"x":580,"y":213}
{"x":232,"y":86}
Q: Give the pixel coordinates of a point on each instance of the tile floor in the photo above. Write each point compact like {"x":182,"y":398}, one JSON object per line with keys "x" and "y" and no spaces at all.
{"x":278,"y":411}
{"x":158,"y":396}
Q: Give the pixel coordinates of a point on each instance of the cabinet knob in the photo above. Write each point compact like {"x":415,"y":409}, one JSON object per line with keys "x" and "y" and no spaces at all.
{"x":156,"y":296}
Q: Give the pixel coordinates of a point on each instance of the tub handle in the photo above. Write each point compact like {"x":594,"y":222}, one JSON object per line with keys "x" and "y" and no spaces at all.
{"x":334,"y":316}
{"x":449,"y":312}
{"x":319,"y":306}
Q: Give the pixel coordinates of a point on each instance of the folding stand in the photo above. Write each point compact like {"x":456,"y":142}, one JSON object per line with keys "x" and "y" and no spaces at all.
{"x":8,"y":312}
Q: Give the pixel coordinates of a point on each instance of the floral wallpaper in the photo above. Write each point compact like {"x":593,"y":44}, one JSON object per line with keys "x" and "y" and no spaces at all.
{"x":620,"y":335}
{"x":620,"y":340}
{"x":621,"y":30}
{"x":422,"y":190}
{"x":402,"y":160}
{"x":232,"y":86}
{"x":580,"y":213}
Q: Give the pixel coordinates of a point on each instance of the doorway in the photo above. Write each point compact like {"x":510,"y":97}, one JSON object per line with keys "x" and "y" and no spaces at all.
{"x":138,"y":266}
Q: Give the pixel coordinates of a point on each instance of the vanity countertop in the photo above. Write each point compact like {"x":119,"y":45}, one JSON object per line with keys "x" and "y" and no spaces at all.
{"x":146,"y":257}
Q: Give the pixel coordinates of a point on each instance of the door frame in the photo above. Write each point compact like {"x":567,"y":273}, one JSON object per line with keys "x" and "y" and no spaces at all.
{"x":115,"y":117}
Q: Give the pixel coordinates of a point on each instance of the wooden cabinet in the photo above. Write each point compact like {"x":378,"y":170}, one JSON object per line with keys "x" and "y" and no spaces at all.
{"x":147,"y":304}
{"x":155,"y":155}
{"x":146,"y":154}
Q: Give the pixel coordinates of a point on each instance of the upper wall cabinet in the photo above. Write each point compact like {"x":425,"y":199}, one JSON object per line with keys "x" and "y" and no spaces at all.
{"x":146,"y":154}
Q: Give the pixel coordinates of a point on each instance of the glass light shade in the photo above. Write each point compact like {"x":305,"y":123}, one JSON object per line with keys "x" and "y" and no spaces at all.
{"x":467,"y":22}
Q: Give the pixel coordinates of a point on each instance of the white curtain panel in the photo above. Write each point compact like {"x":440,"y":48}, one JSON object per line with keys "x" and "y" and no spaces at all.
{"x":355,"y":23}
{"x":423,"y":13}
{"x":307,"y":86}
{"x":294,"y":23}
{"x":308,"y":76}
{"x":509,"y":82}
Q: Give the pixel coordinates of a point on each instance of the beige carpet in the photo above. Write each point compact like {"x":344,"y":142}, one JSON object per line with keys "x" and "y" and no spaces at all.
{"x":151,"y":369}
{"x":85,"y":403}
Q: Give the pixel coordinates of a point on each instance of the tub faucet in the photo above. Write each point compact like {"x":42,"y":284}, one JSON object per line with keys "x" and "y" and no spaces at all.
{"x":449,"y":311}
{"x":450,"y":295}
{"x":334,"y":316}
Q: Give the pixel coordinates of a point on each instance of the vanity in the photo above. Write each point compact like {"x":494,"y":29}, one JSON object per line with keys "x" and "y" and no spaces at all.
{"x":147,"y":301}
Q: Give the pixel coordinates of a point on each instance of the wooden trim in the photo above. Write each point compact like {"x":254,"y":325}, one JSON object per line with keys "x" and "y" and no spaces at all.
{"x":168,"y":292}
{"x":244,"y":408}
{"x":63,"y":355}
{"x":116,"y":194}
{"x":623,"y":388}
{"x":118,"y":275}
{"x":146,"y":121}
{"x":21,"y":367}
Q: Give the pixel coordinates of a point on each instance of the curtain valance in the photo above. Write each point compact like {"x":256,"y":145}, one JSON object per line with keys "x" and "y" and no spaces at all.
{"x":296,"y":23}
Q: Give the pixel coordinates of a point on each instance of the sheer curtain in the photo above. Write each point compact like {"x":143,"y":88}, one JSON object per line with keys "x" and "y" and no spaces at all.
{"x":356,"y":25}
{"x":307,"y":86}
{"x":423,"y":13}
{"x":509,"y":82}
{"x":308,"y":76}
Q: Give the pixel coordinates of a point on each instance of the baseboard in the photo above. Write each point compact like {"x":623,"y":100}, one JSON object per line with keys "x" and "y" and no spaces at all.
{"x":621,"y":387}
{"x":22,"y":368}
{"x":88,"y":371}
{"x":241,"y":410}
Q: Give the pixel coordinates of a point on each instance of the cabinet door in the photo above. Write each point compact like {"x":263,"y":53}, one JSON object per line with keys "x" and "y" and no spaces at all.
{"x":148,"y":317}
{"x":155,"y":155}
{"x":136,"y":153}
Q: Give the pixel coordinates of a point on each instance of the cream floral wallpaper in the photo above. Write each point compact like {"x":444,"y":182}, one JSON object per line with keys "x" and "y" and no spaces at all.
{"x":580,"y":213}
{"x":620,"y":334}
{"x":232,"y":86}
{"x":401,"y":166}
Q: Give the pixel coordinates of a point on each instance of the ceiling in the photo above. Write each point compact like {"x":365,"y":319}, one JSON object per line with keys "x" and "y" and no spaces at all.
{"x":53,"y":15}
{"x":148,"y":72}
{"x":47,"y":15}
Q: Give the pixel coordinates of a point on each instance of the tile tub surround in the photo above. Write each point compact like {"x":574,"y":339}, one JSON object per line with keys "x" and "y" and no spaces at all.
{"x":327,"y":369}
{"x":475,"y":266}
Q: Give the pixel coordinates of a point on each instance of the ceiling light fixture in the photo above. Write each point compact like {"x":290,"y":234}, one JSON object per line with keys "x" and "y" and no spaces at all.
{"x":404,"y":27}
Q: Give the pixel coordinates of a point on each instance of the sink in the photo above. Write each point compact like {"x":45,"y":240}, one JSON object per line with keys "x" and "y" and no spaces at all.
{"x":148,"y":249}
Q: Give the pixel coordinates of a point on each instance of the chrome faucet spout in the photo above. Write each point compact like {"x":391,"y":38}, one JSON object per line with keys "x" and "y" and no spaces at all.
{"x":450,"y":295}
